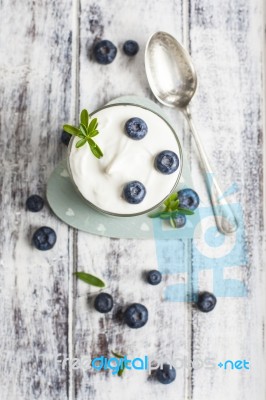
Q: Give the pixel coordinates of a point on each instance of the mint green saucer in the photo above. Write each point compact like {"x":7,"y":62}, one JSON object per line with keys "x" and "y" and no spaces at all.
{"x":71,"y":208}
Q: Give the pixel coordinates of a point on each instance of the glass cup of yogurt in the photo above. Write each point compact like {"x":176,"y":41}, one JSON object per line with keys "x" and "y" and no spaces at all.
{"x":106,"y":182}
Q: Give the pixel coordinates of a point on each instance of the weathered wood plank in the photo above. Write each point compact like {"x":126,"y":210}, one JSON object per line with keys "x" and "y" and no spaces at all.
{"x":35,"y":43}
{"x":123,"y":262}
{"x":226,"y":43}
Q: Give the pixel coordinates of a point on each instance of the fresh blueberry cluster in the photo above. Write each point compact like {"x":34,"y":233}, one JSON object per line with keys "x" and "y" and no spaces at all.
{"x":105,"y":51}
{"x":43,"y":238}
{"x":135,"y":315}
{"x":166,"y":161}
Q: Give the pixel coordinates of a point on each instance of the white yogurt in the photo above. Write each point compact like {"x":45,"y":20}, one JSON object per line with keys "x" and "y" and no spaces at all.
{"x":101,"y":181}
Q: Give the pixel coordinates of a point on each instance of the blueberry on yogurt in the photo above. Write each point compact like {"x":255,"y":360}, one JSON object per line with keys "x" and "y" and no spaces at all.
{"x":136,"y":128}
{"x":134,"y":192}
{"x":104,"y":52}
{"x":136,"y":316}
{"x":166,"y":162}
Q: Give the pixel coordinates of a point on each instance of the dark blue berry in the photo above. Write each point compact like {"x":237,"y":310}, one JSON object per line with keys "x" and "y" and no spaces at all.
{"x":44,"y":238}
{"x":134,"y":192}
{"x":136,"y":128}
{"x":34,"y":203}
{"x":188,"y":199}
{"x":166,"y":162}
{"x":166,"y":374}
{"x":154,"y":277}
{"x":104,"y":52}
{"x":65,"y":138}
{"x":103,"y":302}
{"x":131,"y":47}
{"x":136,"y":315}
{"x":180,"y":221}
{"x":206,"y":301}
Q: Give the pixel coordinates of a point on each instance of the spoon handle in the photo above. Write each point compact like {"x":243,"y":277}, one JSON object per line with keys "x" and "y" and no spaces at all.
{"x":225,"y":219}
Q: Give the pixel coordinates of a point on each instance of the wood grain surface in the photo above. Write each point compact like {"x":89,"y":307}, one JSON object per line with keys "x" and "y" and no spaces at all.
{"x":47,"y":74}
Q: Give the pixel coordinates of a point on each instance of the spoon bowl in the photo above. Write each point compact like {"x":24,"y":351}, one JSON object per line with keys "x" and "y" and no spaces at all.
{"x":170,"y":71}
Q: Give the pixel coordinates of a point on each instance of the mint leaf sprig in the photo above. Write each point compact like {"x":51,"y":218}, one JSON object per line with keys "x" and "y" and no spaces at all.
{"x":86,"y":131}
{"x":170,"y":210}
{"x":90,"y":279}
{"x":122,"y":367}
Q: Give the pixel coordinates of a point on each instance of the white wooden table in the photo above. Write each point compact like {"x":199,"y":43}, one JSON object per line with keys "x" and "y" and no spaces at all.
{"x":47,"y":76}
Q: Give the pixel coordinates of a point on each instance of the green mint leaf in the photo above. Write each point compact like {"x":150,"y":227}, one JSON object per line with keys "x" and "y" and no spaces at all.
{"x":93,"y":133}
{"x":174,"y":214}
{"x":81,"y":142}
{"x":172,"y":222}
{"x":173,"y":196}
{"x":97,"y":152}
{"x":83,"y":129}
{"x":93,"y":125}
{"x":173,"y":204}
{"x":170,"y":198}
{"x":95,"y":149}
{"x":121,"y":370}
{"x":155,"y":214}
{"x":72,"y":130}
{"x":165,"y":215}
{"x":90,"y":279}
{"x":184,"y":211}
{"x":117,"y":355}
{"x":84,"y":118}
{"x":122,"y":367}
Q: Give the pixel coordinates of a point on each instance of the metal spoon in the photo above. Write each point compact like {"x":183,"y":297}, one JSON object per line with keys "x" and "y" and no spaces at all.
{"x":173,"y":81}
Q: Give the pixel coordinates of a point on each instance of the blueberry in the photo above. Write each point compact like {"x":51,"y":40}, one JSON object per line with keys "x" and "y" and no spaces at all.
{"x":134,"y":192}
{"x":136,"y":128}
{"x":104,"y":52}
{"x":154,"y":277}
{"x":180,"y":221}
{"x":166,"y":374}
{"x":206,"y":301}
{"x":188,"y":199}
{"x":103,"y":302}
{"x":65,"y":138}
{"x":44,"y":238}
{"x":34,"y":203}
{"x":167,"y":162}
{"x":131,"y":47}
{"x":136,"y":315}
